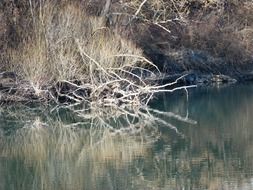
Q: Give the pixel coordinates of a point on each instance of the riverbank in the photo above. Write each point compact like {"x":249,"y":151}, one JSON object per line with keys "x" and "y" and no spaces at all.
{"x":124,"y":52}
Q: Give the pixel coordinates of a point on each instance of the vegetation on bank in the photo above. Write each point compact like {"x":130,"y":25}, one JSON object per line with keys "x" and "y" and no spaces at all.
{"x":210,"y":36}
{"x":107,"y":51}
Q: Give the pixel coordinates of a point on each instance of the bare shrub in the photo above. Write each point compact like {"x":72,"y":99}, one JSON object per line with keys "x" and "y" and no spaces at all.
{"x":68,"y":54}
{"x":223,"y":29}
{"x":65,"y":45}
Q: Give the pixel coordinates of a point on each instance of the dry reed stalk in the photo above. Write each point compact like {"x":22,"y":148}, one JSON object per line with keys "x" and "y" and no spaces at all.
{"x":68,"y":54}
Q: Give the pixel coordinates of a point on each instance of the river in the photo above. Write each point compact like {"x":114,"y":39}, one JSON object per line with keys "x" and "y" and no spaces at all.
{"x":203,"y":140}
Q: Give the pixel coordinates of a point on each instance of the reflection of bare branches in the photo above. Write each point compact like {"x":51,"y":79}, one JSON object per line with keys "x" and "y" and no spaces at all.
{"x":127,"y":120}
{"x":97,"y":122}
{"x":101,"y":134}
{"x":118,"y":119}
{"x":41,"y":146}
{"x":175,"y":116}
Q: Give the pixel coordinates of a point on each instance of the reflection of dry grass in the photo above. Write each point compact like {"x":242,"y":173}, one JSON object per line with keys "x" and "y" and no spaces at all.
{"x":79,"y":155}
{"x":219,"y":155}
{"x":198,"y":172}
{"x":68,"y":154}
{"x":119,"y":149}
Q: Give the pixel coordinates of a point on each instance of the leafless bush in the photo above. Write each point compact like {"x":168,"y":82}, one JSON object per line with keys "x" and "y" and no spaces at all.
{"x":221,"y":29}
{"x":71,"y":55}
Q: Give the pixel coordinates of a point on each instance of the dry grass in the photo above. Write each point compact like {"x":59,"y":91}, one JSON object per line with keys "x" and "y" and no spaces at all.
{"x":221,"y":29}
{"x":68,"y":56}
{"x":65,"y":45}
{"x":67,"y":53}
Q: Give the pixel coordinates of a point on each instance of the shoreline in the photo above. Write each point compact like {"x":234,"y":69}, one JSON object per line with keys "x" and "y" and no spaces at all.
{"x":14,"y":90}
{"x":126,"y":51}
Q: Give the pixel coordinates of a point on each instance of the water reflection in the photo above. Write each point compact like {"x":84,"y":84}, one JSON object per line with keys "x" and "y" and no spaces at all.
{"x":58,"y":157}
{"x":216,"y":153}
{"x":211,"y":148}
{"x":88,"y":150}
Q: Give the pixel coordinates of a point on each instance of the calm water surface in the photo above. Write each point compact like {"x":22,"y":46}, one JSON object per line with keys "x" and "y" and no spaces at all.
{"x":212,"y":148}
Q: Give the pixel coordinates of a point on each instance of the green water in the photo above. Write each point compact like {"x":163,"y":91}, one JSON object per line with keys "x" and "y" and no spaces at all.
{"x":56,"y":149}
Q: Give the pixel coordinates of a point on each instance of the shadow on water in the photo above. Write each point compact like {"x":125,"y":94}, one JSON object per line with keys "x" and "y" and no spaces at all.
{"x":212,"y":149}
